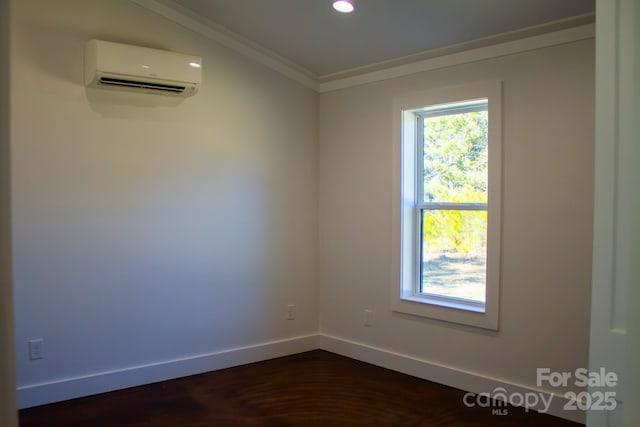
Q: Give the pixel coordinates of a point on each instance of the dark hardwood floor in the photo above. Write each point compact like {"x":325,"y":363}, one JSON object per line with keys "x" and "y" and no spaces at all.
{"x":308,"y":389}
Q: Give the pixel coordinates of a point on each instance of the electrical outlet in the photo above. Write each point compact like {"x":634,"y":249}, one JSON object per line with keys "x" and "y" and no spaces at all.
{"x":291,"y":311}
{"x":36,"y":349}
{"x":368,"y":317}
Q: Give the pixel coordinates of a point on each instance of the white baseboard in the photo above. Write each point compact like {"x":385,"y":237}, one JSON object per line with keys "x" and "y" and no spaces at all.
{"x":70,"y":388}
{"x":453,"y":377}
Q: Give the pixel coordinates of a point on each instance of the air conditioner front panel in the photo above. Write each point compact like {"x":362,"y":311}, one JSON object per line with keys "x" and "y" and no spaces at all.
{"x":120,"y":66}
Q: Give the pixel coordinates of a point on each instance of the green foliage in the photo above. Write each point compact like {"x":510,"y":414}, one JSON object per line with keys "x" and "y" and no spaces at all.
{"x":454,"y":231}
{"x":455,"y":170}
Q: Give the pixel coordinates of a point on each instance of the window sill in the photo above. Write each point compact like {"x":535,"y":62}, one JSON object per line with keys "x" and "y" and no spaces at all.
{"x":446,"y":302}
{"x":447,"y":310}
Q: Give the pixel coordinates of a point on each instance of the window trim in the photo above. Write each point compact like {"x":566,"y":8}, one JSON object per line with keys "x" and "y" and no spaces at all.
{"x":404,"y":238}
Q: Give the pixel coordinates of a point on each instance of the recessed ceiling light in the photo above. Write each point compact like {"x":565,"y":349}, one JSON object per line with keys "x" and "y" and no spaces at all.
{"x":194,"y":64}
{"x":343,"y":6}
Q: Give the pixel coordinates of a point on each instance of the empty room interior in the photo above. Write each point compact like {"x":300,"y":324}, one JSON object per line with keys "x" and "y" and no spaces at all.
{"x":294,"y":203}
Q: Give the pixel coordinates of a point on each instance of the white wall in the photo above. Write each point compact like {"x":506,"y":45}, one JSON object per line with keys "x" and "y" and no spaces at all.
{"x":8,"y":416}
{"x":148,"y":229}
{"x":548,"y":104}
{"x":152,"y":233}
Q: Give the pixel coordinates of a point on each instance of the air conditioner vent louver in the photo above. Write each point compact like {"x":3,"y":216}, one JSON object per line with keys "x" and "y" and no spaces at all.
{"x":142,"y":85}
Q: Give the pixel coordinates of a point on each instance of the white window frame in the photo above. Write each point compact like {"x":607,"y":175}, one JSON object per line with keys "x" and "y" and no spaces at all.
{"x":406,"y":295}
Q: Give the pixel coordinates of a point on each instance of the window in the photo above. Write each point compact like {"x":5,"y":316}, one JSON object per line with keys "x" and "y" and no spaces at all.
{"x":447,"y":204}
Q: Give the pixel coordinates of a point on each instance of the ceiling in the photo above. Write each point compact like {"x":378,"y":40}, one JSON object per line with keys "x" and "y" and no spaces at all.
{"x":322,"y":43}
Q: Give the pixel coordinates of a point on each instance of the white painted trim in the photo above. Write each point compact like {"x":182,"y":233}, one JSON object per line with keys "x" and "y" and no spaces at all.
{"x":442,"y":374}
{"x":231,"y":40}
{"x":502,"y":49}
{"x":613,"y":219}
{"x":70,"y":388}
{"x":8,"y":414}
{"x":405,"y":267}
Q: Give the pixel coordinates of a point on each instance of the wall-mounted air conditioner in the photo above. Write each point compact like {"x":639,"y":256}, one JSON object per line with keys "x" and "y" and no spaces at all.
{"x":124,"y":67}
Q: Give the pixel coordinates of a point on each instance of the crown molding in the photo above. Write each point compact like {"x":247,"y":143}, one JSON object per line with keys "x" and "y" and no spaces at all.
{"x":494,"y":39}
{"x":536,"y":37}
{"x":478,"y":54}
{"x":235,"y":42}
